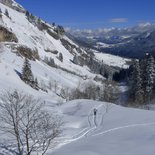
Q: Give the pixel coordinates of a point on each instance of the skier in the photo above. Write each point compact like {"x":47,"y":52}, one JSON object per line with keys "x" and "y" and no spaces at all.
{"x":95,"y":112}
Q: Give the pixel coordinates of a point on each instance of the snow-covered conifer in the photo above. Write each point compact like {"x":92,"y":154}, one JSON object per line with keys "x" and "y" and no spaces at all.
{"x":27,"y":75}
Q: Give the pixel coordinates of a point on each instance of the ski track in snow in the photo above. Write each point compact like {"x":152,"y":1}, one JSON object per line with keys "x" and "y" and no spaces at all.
{"x":82,"y":133}
{"x":89,"y":130}
{"x":123,"y":127}
{"x":85,"y":132}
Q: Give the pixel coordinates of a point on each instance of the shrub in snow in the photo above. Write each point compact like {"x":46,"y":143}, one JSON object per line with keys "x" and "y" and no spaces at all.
{"x":6,"y":35}
{"x":60,"y":57}
{"x":49,"y":61}
{"x":28,"y":53}
{"x":6,"y":13}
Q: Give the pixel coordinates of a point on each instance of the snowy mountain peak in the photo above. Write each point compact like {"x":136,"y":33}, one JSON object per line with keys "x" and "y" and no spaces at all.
{"x":145,"y":24}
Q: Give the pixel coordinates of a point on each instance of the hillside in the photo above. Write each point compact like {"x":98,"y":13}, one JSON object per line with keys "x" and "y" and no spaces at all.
{"x":119,"y":130}
{"x":24,"y":35}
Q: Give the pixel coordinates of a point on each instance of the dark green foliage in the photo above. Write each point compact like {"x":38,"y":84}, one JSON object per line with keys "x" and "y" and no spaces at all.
{"x":36,"y":84}
{"x":27,"y":75}
{"x":142,"y":80}
{"x":27,"y":14}
{"x":49,"y":61}
{"x":53,"y":24}
{"x":60,"y":57}
{"x":149,"y":77}
{"x":121,"y":76}
{"x":6,"y":13}
{"x":39,"y":21}
{"x":136,"y":92}
{"x":59,"y":30}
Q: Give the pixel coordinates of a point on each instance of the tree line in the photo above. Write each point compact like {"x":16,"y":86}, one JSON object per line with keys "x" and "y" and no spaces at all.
{"x":142,"y":81}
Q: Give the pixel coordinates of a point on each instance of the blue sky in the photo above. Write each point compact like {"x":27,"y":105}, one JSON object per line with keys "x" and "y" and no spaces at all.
{"x":92,"y":14}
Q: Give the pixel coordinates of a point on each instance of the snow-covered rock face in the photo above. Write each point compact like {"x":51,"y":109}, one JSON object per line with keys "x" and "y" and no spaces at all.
{"x":7,"y":2}
{"x":13,"y":4}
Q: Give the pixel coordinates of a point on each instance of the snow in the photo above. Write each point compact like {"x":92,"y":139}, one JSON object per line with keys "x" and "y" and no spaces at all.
{"x":102,"y":45}
{"x":30,"y":36}
{"x":123,"y":130}
{"x":10,"y":63}
{"x":112,"y":60}
{"x":119,"y":130}
{"x":116,"y":129}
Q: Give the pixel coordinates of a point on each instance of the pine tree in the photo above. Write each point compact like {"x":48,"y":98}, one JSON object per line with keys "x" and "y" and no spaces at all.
{"x":36,"y":85}
{"x":150,"y":77}
{"x":27,"y":14}
{"x":6,"y":13}
{"x":39,"y":21}
{"x":53,"y":24}
{"x":27,"y":75}
{"x":75,"y":59}
{"x":60,"y":57}
{"x":143,"y":72}
{"x":136,"y":91}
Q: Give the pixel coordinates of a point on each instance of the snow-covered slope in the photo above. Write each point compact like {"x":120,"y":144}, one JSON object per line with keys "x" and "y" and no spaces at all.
{"x":116,"y":131}
{"x":46,"y":43}
{"x":30,"y":36}
{"x":119,"y":130}
{"x":111,"y":60}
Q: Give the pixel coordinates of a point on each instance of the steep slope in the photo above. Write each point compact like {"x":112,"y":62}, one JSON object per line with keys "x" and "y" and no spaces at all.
{"x":30,"y":37}
{"x":24,"y":35}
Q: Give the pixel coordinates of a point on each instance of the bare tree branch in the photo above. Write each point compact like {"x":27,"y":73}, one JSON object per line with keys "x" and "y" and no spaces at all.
{"x":24,"y":118}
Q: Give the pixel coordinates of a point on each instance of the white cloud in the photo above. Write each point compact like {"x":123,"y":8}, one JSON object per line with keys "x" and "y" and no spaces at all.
{"x":67,"y":28}
{"x":118,"y":20}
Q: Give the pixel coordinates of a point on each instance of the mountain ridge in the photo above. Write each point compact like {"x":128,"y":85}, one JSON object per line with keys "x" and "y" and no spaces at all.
{"x":131,"y":42}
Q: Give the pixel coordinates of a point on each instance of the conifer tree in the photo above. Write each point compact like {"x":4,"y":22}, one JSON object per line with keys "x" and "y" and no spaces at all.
{"x":39,"y":20}
{"x":27,"y":14}
{"x":27,"y":75}
{"x":150,"y":77}
{"x":136,"y":91}
{"x":6,"y":13}
{"x":143,"y":72}
{"x":60,"y":57}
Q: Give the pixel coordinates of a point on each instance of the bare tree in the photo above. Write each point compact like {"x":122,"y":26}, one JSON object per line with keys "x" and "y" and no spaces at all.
{"x":24,"y":118}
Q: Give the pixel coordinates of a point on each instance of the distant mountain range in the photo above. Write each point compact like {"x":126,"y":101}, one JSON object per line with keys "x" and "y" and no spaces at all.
{"x":131,"y":42}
